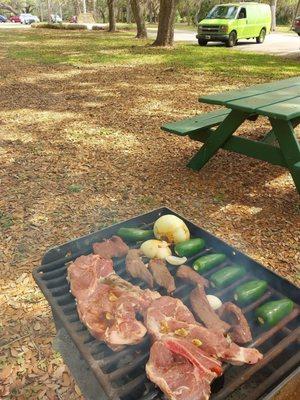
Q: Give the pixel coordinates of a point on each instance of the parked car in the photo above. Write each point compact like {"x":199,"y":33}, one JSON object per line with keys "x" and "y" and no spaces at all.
{"x":28,"y":18}
{"x":15,"y":18}
{"x":55,"y":18}
{"x":230,"y":22}
{"x":3,"y":18}
{"x":296,"y":25}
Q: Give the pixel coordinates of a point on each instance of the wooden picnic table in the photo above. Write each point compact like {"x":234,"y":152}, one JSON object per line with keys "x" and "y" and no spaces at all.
{"x":278,"y":101}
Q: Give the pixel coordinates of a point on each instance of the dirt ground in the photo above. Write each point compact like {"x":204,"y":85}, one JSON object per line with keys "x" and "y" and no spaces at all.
{"x":81,"y":149}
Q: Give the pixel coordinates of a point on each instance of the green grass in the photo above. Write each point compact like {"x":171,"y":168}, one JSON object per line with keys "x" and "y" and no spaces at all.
{"x":86,"y":49}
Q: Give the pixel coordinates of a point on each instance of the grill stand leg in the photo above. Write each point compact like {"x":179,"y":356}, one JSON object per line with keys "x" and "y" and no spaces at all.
{"x":84,"y":377}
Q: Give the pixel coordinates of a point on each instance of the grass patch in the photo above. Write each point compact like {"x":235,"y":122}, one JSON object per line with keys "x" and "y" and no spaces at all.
{"x":75,"y":188}
{"x":84,"y":49}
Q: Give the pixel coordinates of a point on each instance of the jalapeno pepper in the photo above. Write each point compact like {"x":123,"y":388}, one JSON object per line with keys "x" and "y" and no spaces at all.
{"x":135,"y":234}
{"x":250,"y":291}
{"x":227,"y":275}
{"x":271,"y":313}
{"x":205,"y":263}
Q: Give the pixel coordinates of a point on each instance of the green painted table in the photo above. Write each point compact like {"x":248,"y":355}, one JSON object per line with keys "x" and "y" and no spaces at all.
{"x":279,"y":102}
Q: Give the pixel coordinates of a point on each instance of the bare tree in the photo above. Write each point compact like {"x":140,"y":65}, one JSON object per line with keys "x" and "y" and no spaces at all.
{"x":111,"y":15}
{"x":8,"y":8}
{"x":166,"y":19}
{"x":138,"y":13}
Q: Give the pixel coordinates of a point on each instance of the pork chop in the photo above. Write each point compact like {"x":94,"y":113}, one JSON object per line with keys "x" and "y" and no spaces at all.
{"x":168,"y":316}
{"x":175,"y":375}
{"x":188,"y":275}
{"x":162,"y":275}
{"x":239,"y":331}
{"x":85,"y":271}
{"x":113,"y":247}
{"x":136,"y":268}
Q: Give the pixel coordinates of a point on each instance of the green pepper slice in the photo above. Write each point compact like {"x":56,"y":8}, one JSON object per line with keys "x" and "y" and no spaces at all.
{"x":135,"y":234}
{"x":250,"y":291}
{"x":271,"y":313}
{"x":205,"y":263}
{"x":227,"y":275}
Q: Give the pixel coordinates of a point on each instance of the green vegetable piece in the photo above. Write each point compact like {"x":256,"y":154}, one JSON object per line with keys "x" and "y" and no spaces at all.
{"x":227,"y":275}
{"x":135,"y":234}
{"x":205,"y":263}
{"x":250,"y":291}
{"x":189,"y":247}
{"x":269,"y":314}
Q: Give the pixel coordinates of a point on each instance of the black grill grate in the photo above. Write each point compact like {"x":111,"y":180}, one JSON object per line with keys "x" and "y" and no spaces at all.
{"x":122,"y":374}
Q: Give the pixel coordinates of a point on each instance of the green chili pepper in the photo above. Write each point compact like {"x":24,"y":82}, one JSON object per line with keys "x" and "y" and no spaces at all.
{"x":227,"y":275}
{"x":271,"y":313}
{"x":250,"y":291}
{"x":135,"y":234}
{"x":205,"y":263}
{"x":189,"y":247}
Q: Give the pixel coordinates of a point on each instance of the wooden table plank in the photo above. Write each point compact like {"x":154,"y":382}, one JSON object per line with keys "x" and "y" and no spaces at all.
{"x":224,"y":97}
{"x":255,"y":103}
{"x":286,"y":110}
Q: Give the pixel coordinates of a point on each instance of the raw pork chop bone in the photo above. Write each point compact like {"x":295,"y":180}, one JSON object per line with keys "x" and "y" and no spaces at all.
{"x":169,"y":317}
{"x":107,"y":304}
{"x":181,"y":370}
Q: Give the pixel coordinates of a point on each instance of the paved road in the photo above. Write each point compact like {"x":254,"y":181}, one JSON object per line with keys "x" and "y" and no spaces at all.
{"x":283,"y":44}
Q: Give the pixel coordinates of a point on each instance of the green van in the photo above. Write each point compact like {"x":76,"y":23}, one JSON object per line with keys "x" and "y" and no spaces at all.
{"x":229,"y":22}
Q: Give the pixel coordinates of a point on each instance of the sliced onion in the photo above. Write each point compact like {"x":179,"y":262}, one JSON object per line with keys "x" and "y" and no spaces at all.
{"x":176,"y":260}
{"x":214,"y":301}
{"x":156,"y":249}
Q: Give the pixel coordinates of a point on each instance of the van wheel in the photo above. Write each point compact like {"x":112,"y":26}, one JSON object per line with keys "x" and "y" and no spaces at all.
{"x":202,"y":42}
{"x":232,"y":39}
{"x":261,"y":37}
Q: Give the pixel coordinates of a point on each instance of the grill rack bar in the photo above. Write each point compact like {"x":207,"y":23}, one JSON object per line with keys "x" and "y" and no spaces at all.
{"x":55,"y":270}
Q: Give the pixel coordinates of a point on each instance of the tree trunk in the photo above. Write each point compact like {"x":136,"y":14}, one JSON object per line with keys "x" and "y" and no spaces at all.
{"x":137,"y":11}
{"x":128,"y":12}
{"x":111,"y":15}
{"x":49,"y":11}
{"x":8,"y":8}
{"x":103,"y":15}
{"x":273,"y":14}
{"x":166,"y":19}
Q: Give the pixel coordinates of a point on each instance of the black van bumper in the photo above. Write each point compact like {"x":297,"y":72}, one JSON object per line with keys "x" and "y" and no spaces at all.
{"x":213,"y":37}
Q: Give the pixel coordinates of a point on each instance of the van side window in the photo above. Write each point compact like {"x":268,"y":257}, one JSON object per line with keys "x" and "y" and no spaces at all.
{"x":242,"y":13}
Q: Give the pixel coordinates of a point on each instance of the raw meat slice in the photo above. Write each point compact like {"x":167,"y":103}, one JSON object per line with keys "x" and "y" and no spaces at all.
{"x":84,"y":272}
{"x":240,"y":331}
{"x":162,"y":275}
{"x":175,"y":375}
{"x":136,"y":268}
{"x":203,"y":310}
{"x":188,"y":275}
{"x":113,"y":247}
{"x":167,"y":316}
{"x":106,"y":303}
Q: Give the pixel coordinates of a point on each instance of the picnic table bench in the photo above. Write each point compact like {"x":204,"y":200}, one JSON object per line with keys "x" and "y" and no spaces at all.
{"x":278,"y":101}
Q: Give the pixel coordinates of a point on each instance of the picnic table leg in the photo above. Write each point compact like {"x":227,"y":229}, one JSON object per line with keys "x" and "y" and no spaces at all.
{"x":216,"y":140}
{"x":289,"y":146}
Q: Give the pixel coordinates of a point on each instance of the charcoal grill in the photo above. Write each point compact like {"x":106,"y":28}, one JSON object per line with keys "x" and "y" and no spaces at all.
{"x":122,"y":374}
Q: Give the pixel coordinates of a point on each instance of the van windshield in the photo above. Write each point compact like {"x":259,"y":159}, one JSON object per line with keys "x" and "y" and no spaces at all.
{"x":222,"y":12}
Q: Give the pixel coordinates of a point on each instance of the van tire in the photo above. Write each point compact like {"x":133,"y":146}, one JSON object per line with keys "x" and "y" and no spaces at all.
{"x":202,"y":42}
{"x":232,"y":39}
{"x":262,"y":36}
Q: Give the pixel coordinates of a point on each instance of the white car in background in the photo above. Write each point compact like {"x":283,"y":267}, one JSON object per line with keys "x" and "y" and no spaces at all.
{"x":28,"y":18}
{"x":56,"y":18}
